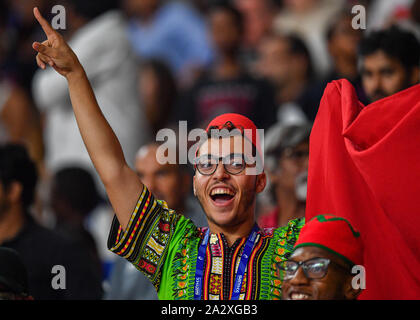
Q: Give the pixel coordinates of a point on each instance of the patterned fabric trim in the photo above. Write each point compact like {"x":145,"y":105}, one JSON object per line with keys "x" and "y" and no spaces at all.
{"x":183,"y":266}
{"x":146,"y":239}
{"x":236,"y":258}
{"x":284,"y":240}
{"x":254,"y":261}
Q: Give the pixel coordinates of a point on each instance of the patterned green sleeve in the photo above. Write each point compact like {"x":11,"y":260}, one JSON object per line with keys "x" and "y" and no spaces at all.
{"x":286,"y":238}
{"x":281,"y":244}
{"x":145,"y":242}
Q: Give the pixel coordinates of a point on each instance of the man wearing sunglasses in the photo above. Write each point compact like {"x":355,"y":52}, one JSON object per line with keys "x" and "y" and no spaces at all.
{"x":320,"y":266}
{"x":233,"y":258}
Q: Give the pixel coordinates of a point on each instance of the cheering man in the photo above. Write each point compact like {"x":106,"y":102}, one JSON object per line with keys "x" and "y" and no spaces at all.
{"x":233,"y":258}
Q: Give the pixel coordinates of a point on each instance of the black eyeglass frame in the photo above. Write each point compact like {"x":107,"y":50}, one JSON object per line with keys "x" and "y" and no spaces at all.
{"x":225,"y":161}
{"x":304,"y":266}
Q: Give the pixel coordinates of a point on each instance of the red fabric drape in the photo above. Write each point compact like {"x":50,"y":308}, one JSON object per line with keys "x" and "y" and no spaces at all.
{"x":364,"y":165}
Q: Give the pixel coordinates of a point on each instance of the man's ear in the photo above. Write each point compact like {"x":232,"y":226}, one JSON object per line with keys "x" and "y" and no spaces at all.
{"x":415,"y":76}
{"x":261,"y":182}
{"x":194,"y":190}
{"x":14,"y":192}
{"x":351,"y":293}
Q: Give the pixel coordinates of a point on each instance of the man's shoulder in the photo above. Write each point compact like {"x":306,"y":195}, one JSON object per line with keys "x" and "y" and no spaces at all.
{"x":39,"y":232}
{"x":45,"y":239}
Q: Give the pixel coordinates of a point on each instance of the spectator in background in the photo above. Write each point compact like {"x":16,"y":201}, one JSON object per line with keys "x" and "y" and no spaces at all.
{"x":287,"y":63}
{"x":98,"y":36}
{"x":19,"y":119}
{"x":343,"y":41}
{"x":159,"y":92}
{"x":39,"y":248}
{"x":227,"y":86}
{"x":258,"y":20}
{"x":73,"y":197}
{"x":286,"y":161}
{"x":82,"y":214}
{"x":19,"y":33}
{"x":389,"y":62}
{"x":309,"y":19}
{"x":171,"y":31}
{"x":13,"y":276}
{"x":169,"y":182}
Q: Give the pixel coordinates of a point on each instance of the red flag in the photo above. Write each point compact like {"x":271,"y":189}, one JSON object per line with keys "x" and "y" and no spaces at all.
{"x":364,"y":165}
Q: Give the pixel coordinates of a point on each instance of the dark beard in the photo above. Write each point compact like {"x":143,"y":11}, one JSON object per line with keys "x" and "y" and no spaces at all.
{"x":380,"y":94}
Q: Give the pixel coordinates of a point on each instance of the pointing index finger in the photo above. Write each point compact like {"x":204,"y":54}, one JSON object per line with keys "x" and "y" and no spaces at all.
{"x":49,"y":31}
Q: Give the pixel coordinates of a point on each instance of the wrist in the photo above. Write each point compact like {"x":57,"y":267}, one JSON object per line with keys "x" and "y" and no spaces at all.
{"x":76,"y":74}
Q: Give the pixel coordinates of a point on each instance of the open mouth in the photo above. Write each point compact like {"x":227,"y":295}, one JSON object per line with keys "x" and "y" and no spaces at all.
{"x":299,"y":296}
{"x":222,"y":196}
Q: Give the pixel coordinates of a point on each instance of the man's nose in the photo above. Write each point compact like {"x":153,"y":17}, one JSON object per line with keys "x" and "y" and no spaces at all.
{"x":376,"y":83}
{"x":299,"y":278}
{"x":220,"y":172}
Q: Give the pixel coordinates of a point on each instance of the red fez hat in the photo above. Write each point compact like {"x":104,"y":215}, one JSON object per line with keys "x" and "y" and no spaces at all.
{"x":334,"y":234}
{"x":238,"y":121}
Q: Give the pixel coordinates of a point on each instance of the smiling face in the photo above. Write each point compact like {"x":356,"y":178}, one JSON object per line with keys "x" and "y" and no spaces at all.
{"x":335,"y":285}
{"x":228,"y":200}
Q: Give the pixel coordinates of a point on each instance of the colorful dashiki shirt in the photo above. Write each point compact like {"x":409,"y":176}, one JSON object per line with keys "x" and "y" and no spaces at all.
{"x":164,"y":246}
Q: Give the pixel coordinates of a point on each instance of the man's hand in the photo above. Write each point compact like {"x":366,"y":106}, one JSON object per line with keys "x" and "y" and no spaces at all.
{"x":122,"y":184}
{"x":55,"y":51}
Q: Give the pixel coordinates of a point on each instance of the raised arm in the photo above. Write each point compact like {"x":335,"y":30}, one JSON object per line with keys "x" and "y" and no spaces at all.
{"x":122,"y":184}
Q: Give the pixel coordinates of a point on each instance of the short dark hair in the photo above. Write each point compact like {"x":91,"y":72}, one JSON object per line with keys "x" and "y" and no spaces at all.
{"x":332,"y":26}
{"x":168,"y":85}
{"x":394,"y":42}
{"x":233,"y":11}
{"x":298,"y":47}
{"x":77,"y":187}
{"x":17,"y":166}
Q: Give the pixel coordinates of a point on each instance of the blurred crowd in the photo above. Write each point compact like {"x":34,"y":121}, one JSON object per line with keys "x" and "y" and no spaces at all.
{"x":153,"y":63}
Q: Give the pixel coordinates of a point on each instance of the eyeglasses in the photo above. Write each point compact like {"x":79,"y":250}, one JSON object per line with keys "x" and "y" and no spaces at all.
{"x":315,"y":268}
{"x":233,"y":163}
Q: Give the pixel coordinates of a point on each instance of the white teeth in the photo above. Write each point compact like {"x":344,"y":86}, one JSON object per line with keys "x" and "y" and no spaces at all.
{"x":299,"y":296}
{"x":221,"y":191}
